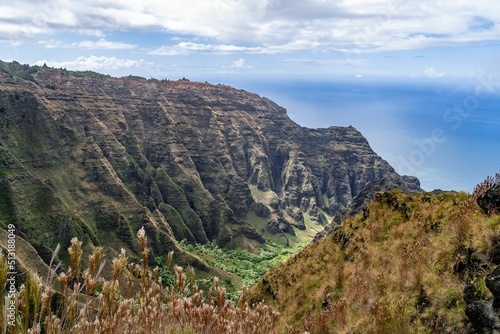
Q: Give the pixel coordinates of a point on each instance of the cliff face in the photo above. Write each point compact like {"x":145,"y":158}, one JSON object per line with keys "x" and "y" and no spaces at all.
{"x":98,"y":157}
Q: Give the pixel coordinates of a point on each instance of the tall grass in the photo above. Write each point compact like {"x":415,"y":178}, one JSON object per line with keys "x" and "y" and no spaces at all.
{"x":400,"y":267}
{"x":133,"y":300}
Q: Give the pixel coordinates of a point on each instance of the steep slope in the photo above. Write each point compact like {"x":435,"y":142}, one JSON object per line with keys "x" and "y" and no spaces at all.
{"x":405,"y":264}
{"x":82,"y":154}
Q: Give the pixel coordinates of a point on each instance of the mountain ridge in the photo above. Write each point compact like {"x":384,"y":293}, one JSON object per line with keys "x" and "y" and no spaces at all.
{"x":97,"y":157}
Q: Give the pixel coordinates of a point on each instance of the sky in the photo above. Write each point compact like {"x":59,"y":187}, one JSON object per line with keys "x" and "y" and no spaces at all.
{"x":250,"y":44}
{"x":208,"y":40}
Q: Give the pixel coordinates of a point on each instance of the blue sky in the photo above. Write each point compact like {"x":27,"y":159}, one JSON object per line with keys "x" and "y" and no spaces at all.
{"x":204,"y":40}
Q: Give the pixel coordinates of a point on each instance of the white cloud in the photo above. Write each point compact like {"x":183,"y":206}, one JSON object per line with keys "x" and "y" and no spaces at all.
{"x":237,"y":65}
{"x":431,"y":72}
{"x":96,"y":63}
{"x":91,"y":32}
{"x":101,"y":44}
{"x":184,"y":48}
{"x":191,"y":47}
{"x":264,"y":26}
{"x":240,"y":63}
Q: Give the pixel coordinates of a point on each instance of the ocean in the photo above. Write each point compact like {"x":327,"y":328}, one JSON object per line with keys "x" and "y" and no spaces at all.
{"x":444,"y":131}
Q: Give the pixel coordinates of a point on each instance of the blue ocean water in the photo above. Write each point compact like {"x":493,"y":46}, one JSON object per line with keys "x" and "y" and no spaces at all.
{"x":445,"y":132}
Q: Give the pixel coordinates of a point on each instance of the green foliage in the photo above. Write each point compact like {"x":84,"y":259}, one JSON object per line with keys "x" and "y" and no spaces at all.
{"x":51,"y":85}
{"x":167,"y":276}
{"x":180,"y":230}
{"x":15,"y":69}
{"x":135,"y":77}
{"x":26,"y":72}
{"x":86,"y":74}
{"x":7,"y":207}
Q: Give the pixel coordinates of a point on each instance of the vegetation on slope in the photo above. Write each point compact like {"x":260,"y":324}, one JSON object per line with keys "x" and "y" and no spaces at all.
{"x":185,"y":160}
{"x":133,"y":300}
{"x":400,"y":266}
{"x":26,"y":72}
{"x":247,"y":266}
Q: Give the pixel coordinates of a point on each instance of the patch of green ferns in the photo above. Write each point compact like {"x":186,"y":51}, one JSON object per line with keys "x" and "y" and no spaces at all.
{"x":248,"y":266}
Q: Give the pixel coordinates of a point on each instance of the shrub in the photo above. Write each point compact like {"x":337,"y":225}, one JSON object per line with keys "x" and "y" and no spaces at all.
{"x":134,"y":300}
{"x":484,"y":186}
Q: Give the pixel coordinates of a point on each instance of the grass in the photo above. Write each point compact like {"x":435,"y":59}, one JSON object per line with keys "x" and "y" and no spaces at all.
{"x":399,"y":267}
{"x":134,"y":299}
{"x":260,"y":224}
{"x":303,"y":237}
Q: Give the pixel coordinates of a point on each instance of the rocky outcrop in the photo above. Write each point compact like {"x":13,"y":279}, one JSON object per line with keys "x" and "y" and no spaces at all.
{"x":489,"y":201}
{"x":485,"y":315}
{"x":185,"y":160}
{"x":393,"y":181}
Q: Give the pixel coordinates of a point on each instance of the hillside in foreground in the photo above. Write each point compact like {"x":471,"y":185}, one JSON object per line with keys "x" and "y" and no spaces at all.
{"x":399,"y":266}
{"x":419,"y":263}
